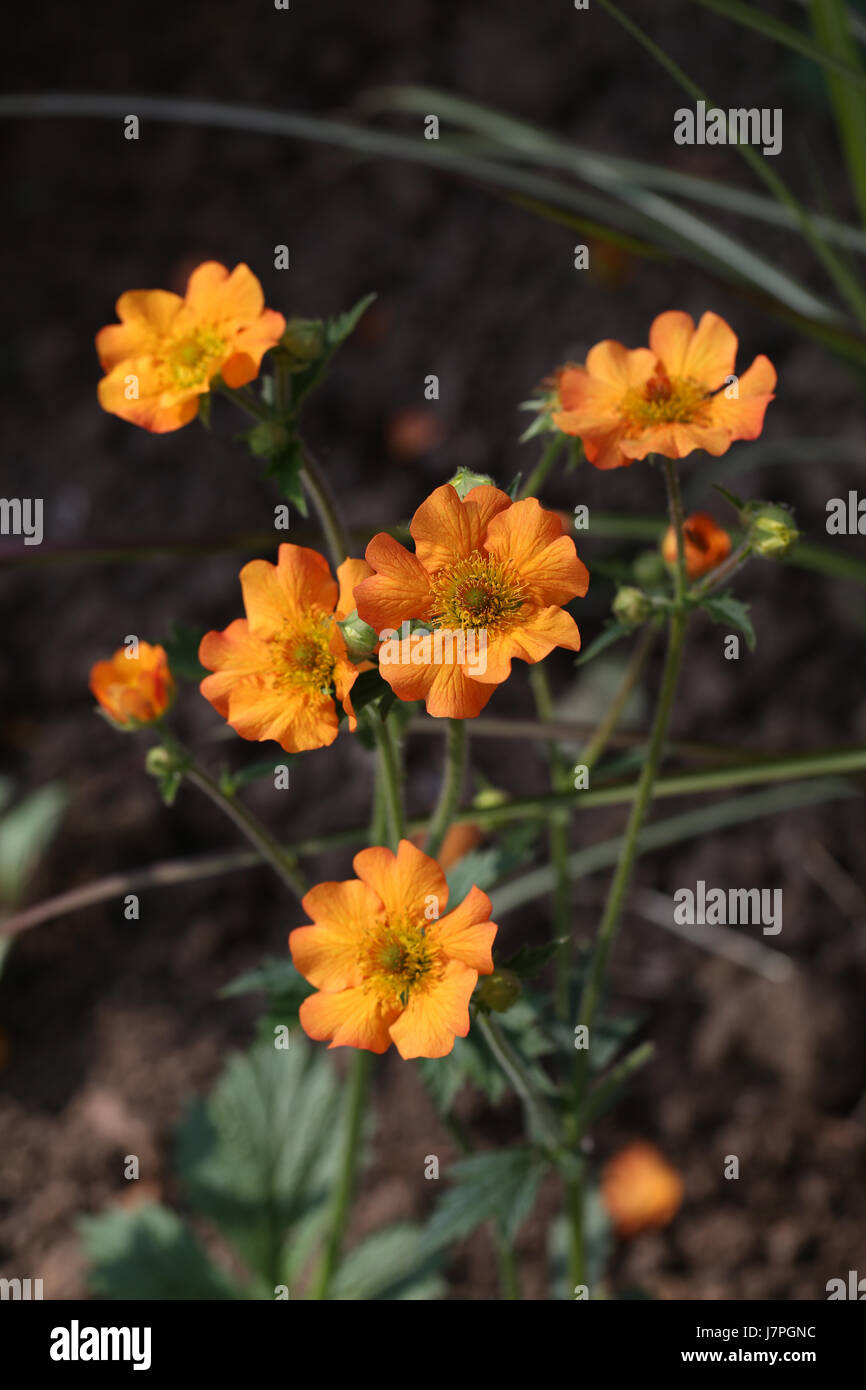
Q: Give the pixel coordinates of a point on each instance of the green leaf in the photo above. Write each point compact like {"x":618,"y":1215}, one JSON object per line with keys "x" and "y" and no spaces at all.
{"x":514,"y":486}
{"x":285,"y":988}
{"x":149,"y":1253}
{"x":531,"y":960}
{"x":231,"y":782}
{"x":822,"y":53}
{"x":736,"y":502}
{"x":390,"y":1264}
{"x":724,"y":608}
{"x":368,"y":688}
{"x":260,"y":1155}
{"x":614,"y":632}
{"x":285,"y":468}
{"x":500,"y":1186}
{"x":181,"y":648}
{"x":25,"y":833}
{"x":847,"y":87}
{"x":339,"y":328}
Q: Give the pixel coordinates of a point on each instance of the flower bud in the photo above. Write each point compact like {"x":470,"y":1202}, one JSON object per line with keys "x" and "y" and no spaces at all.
{"x":649,"y":569}
{"x":268,"y":438}
{"x":631,"y":607}
{"x":465,"y":480}
{"x":304,"y":339}
{"x":134,"y":687}
{"x":359,"y":637}
{"x":772,"y":529}
{"x":499,"y":991}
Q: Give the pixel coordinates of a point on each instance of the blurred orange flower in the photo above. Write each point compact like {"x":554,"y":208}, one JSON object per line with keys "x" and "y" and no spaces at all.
{"x":486,"y":583}
{"x":640,"y":1189}
{"x":387,"y":967}
{"x":278,"y":672}
{"x":706,"y":544}
{"x":166,"y":350}
{"x":135,"y":686}
{"x":677,"y":395}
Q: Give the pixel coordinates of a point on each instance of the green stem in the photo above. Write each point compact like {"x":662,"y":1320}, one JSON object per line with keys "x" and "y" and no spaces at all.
{"x":258,"y":410}
{"x":538,"y":476}
{"x":389,"y":778}
{"x":625,"y":868}
{"x":284,"y":865}
{"x":452,"y":782}
{"x":719,"y":576}
{"x":509,"y":1281}
{"x":538,"y":1113}
{"x":590,"y":755}
{"x":326,"y":508}
{"x":359,"y":1076}
{"x":558,"y":841}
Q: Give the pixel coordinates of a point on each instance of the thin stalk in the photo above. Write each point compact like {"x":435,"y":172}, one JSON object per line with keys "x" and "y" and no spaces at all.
{"x":258,"y":410}
{"x":389,"y":778}
{"x":590,"y":755}
{"x":452,"y":782}
{"x":359,"y":1076}
{"x":539,"y":474}
{"x":625,"y":868}
{"x":558,"y":842}
{"x":539,"y":1114}
{"x":281,"y":861}
{"x":326,"y":508}
{"x":722,"y":573}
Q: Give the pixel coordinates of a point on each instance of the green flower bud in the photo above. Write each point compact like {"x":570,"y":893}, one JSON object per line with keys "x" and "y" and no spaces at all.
{"x":631,"y":607}
{"x":465,"y":480}
{"x":499,"y":991}
{"x":489,"y":797}
{"x":359,"y":637}
{"x":772,"y":530}
{"x":304,"y":339}
{"x":268,"y":438}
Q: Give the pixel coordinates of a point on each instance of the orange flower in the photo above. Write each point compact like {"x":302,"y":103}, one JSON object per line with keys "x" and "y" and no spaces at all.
{"x":665,"y":399}
{"x":165,"y":351}
{"x":387,"y":967}
{"x":135,"y":687}
{"x":706,"y":545}
{"x":486,"y":582}
{"x":279,"y":671}
{"x":640,"y":1189}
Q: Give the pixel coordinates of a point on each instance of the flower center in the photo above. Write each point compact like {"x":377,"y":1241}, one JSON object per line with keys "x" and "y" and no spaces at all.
{"x":191,"y":359}
{"x":301,"y":656}
{"x":397,"y":958}
{"x":662,"y":401}
{"x":478,"y":592}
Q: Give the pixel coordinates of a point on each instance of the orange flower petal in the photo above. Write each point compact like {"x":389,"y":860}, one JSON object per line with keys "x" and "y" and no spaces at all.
{"x":351,"y":1018}
{"x":231,"y":655}
{"x":466,"y":934}
{"x":531,"y":642}
{"x":218,"y":297}
{"x":447,"y":690}
{"x":146,"y":318}
{"x":350,"y":574}
{"x":706,"y":354}
{"x":446,"y":529}
{"x":542,"y":556}
{"x":429,"y":1024}
{"x":405,"y":881}
{"x":327,"y":954}
{"x":300,"y":580}
{"x":294,"y":719}
{"x":743,"y":416}
{"x":399,"y":588}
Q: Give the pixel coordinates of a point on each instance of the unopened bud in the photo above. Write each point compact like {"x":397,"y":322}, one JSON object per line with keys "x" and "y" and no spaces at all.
{"x":304,"y":339}
{"x":360,"y":638}
{"x":631,"y":607}
{"x":772,"y":530}
{"x":499,"y":991}
{"x":465,"y":480}
{"x":268,"y":438}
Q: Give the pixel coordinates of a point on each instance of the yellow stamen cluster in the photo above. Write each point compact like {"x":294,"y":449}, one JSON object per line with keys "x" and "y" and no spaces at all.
{"x":190,"y":359}
{"x":397,"y":958}
{"x":479,"y":591}
{"x":662,"y":401}
{"x":301,"y":655}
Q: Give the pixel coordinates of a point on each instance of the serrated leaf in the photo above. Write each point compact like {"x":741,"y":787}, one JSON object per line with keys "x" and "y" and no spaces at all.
{"x":339,"y":328}
{"x":181,"y":648}
{"x":499,"y":1186}
{"x":260,"y":1155}
{"x":390,"y":1264}
{"x":724,"y":608}
{"x":149,"y":1253}
{"x":614,"y":632}
{"x":531,"y":960}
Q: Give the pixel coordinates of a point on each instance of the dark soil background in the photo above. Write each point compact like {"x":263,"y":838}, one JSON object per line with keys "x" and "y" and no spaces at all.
{"x":108,"y":1025}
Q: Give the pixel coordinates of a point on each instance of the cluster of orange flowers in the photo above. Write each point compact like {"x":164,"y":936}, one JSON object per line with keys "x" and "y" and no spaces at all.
{"x":386,"y":968}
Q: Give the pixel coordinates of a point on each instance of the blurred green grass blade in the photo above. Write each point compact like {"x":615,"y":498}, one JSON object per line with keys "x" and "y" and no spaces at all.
{"x":823,"y":53}
{"x":520,"y":137}
{"x":843,"y":278}
{"x":675,"y":226}
{"x":830,"y":22}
